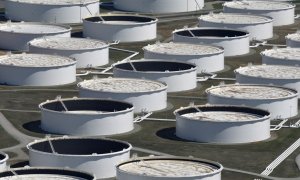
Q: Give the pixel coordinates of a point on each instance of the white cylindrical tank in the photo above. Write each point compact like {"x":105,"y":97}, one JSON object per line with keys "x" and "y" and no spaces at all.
{"x":62,"y":11}
{"x":293,"y":40}
{"x":286,"y":76}
{"x":143,"y":94}
{"x":3,"y":161}
{"x":177,"y":75}
{"x":93,"y":155}
{"x":259,"y":27}
{"x":168,"y":167}
{"x":87,"y":52}
{"x":282,"y":12}
{"x":15,"y":36}
{"x":207,"y":58}
{"x":39,"y":173}
{"x":86,"y":117}
{"x":120,"y":27}
{"x":36,"y":70}
{"x":281,"y":102}
{"x":281,"y":56}
{"x":234,"y":42}
{"x":222,"y":124}
{"x":159,"y":6}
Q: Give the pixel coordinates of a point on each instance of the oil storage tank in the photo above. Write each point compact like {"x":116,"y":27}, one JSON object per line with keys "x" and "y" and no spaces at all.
{"x":281,"y":56}
{"x":282,"y":12}
{"x":159,"y":6}
{"x":120,"y":27}
{"x":165,"y":167}
{"x":293,"y":40}
{"x":87,"y":52}
{"x":15,"y":36}
{"x":222,"y":124}
{"x":281,"y":102}
{"x":93,"y":155}
{"x":259,"y":27}
{"x":45,"y":173}
{"x":3,"y":161}
{"x":62,"y":11}
{"x":207,"y":58}
{"x":234,"y":42}
{"x":36,"y":70}
{"x":287,"y":76}
{"x":172,"y":73}
{"x":145,"y":95}
{"x":86,"y":116}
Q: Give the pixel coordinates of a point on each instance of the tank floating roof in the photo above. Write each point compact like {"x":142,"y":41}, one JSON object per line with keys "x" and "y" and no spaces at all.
{"x":222,"y":113}
{"x":35,"y":60}
{"x":283,"y":53}
{"x":233,"y":18}
{"x":56,"y":2}
{"x":155,"y":66}
{"x":44,"y":173}
{"x":242,"y":91}
{"x":294,"y":36}
{"x":121,"y":19}
{"x":66,"y":43}
{"x":183,"y":49}
{"x":121,"y":85}
{"x":170,"y":167}
{"x":271,"y":71}
{"x":88,"y":105}
{"x":3,"y":157}
{"x":33,"y":28}
{"x":73,"y":146}
{"x":259,"y":5}
{"x":211,"y":32}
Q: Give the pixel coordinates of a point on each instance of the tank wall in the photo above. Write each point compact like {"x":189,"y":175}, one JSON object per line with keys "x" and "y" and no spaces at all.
{"x":205,"y":63}
{"x":281,"y":108}
{"x":257,"y":31}
{"x":44,"y":173}
{"x":3,"y":164}
{"x":292,"y":44}
{"x":101,"y":166}
{"x":84,"y":58}
{"x":159,"y":6}
{"x":151,"y":101}
{"x":275,"y":61}
{"x":18,"y":11}
{"x":232,"y":47}
{"x":280,"y":17}
{"x":292,"y":83}
{"x":127,"y":176}
{"x":123,"y":33}
{"x":33,"y":76}
{"x":179,"y":81}
{"x":18,"y":41}
{"x":87,"y":125}
{"x":222,"y":132}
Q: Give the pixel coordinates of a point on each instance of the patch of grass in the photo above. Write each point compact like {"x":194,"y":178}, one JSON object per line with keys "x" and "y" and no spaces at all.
{"x":218,"y":5}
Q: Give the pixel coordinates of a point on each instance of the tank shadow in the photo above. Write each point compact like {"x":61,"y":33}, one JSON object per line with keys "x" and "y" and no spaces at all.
{"x":20,"y":164}
{"x":35,"y":127}
{"x":170,"y":134}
